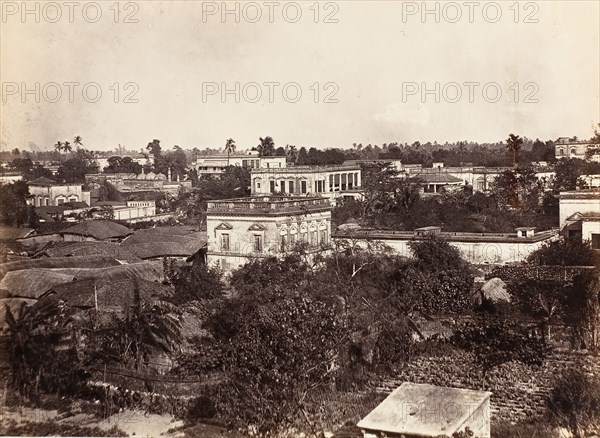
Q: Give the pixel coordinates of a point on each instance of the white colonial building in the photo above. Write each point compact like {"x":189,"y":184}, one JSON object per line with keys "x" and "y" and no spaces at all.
{"x":566,"y":147}
{"x":46,"y":192}
{"x":330,"y":181}
{"x":239,"y":230}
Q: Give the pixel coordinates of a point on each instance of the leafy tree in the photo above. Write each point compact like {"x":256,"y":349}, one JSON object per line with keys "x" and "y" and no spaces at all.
{"x":118,"y":164}
{"x":575,"y":402}
{"x":196,"y":282}
{"x":302,"y":159}
{"x":282,"y":349}
{"x":564,"y":252}
{"x":13,"y":206}
{"x":568,"y":173}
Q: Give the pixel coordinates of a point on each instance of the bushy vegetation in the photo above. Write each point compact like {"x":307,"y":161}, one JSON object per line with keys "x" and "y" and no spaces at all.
{"x":575,"y":403}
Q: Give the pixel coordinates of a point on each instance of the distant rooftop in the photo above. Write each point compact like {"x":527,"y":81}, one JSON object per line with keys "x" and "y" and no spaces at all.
{"x":425,"y":410}
{"x":308,"y":169}
{"x":450,"y":236}
{"x":259,"y":205}
{"x":438,"y":177}
{"x":593,"y":193}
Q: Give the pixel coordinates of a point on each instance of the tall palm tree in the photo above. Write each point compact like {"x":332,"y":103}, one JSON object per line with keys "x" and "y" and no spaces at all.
{"x":514,"y":144}
{"x":78,"y":141}
{"x":67,"y":147}
{"x":266,"y":147}
{"x":58,"y":146}
{"x":229,"y":148}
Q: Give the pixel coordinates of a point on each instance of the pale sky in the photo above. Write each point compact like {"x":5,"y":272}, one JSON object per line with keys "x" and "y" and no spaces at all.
{"x":374,"y":61}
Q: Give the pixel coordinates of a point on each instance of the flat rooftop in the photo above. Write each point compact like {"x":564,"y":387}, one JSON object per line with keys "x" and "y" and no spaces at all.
{"x":424,"y":410}
{"x":308,"y":169}
{"x":273,"y":204}
{"x":446,"y":235}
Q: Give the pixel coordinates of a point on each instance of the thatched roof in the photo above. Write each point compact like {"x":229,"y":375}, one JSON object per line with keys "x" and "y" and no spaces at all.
{"x":58,"y":262}
{"x":179,"y":233}
{"x":12,"y":233}
{"x":32,"y":283}
{"x":110,"y":295}
{"x":87,"y":249}
{"x":166,"y":249}
{"x":179,"y":241}
{"x":99,"y":230}
{"x":494,"y":290}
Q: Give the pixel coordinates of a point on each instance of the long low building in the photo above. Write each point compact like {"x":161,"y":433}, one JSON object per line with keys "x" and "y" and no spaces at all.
{"x":329,"y":181}
{"x":476,"y":248}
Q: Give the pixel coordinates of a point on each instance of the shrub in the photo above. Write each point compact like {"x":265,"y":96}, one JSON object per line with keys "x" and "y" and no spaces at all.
{"x":574,"y":402}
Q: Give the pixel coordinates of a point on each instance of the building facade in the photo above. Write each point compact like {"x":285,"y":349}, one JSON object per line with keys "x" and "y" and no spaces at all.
{"x":580,"y":215}
{"x":328,"y":181}
{"x":476,"y":248}
{"x":239,"y":230}
{"x":46,"y":192}
{"x":216,"y":164}
{"x":566,"y":147}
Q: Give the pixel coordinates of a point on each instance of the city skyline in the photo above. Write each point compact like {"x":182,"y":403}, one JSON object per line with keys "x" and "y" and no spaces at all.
{"x":367,"y":66}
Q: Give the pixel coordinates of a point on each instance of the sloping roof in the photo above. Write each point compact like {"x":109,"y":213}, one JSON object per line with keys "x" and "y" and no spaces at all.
{"x":109,"y":204}
{"x":438,"y":177}
{"x":111,"y":295}
{"x":178,"y":241}
{"x":12,"y":233}
{"x":166,"y":249}
{"x":424,"y":410}
{"x":32,"y":283}
{"x":88,"y":249}
{"x":179,"y":233}
{"x":57,"y":263}
{"x":43,"y":181}
{"x":98,"y":229}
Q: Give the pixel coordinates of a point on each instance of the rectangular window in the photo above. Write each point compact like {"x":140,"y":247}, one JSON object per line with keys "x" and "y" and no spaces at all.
{"x":282,"y":186}
{"x":303,"y":186}
{"x":291,"y":186}
{"x":324,"y":236}
{"x":315,"y":238}
{"x":272,"y":186}
{"x":258,"y":246}
{"x":283,"y":242}
{"x":224,"y":242}
{"x":60,"y":201}
{"x":595,"y":241}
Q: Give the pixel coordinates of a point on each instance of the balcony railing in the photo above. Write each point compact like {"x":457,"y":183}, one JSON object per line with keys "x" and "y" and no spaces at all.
{"x":310,"y":169}
{"x":268,"y":205}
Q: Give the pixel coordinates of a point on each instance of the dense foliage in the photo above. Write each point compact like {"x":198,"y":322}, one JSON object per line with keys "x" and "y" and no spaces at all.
{"x":575,"y":402}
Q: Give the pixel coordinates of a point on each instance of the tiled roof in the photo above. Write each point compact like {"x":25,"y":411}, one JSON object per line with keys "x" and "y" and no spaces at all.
{"x":111,"y":295}
{"x":441,"y":177}
{"x":98,"y":229}
{"x":12,"y":233}
{"x":88,"y":249}
{"x":43,"y":181}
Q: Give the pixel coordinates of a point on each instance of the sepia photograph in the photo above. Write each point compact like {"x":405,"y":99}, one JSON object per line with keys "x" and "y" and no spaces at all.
{"x":312,"y":218}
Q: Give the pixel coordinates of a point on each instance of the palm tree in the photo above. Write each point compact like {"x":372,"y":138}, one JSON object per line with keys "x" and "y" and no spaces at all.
{"x":77,"y":141}
{"x":229,"y":148}
{"x":514,"y":143}
{"x":67,"y":147}
{"x":58,"y":146}
{"x":266,"y":147}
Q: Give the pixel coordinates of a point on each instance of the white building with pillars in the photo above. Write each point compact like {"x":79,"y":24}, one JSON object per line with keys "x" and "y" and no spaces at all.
{"x":241,"y":229}
{"x":329,"y":181}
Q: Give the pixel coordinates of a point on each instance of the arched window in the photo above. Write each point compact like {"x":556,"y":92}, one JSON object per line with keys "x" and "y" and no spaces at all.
{"x":573,"y":151}
{"x":561,"y":152}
